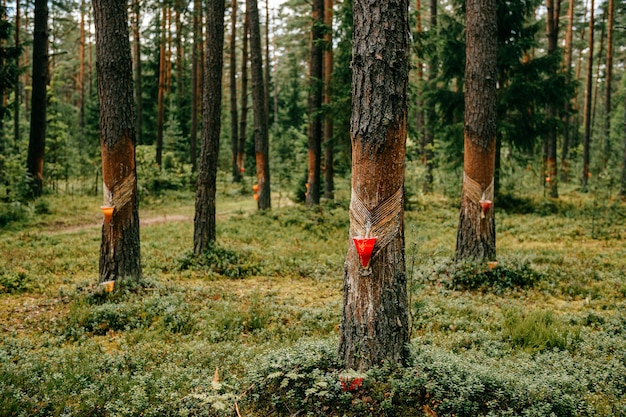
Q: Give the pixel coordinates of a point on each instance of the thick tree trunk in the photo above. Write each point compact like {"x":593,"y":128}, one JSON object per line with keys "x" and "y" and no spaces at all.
{"x":374,"y":326}
{"x":196,"y":82}
{"x":37,"y":143}
{"x":120,"y":257}
{"x":243,"y":122}
{"x":206,"y":186}
{"x":476,"y":238}
{"x":329,"y":171}
{"x":316,"y":65}
{"x":234,"y":122}
{"x":588,"y":103}
{"x":261,"y":139}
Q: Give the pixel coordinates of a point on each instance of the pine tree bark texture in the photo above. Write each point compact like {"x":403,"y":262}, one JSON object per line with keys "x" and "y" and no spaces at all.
{"x":476,"y":237}
{"x":552,"y":32}
{"x":316,"y":65}
{"x":234,"y":122}
{"x":39,"y":98}
{"x":374,"y":325}
{"x":120,"y":256}
{"x":206,"y":185}
{"x":588,"y":102}
{"x":261,"y":140}
{"x":329,"y":171}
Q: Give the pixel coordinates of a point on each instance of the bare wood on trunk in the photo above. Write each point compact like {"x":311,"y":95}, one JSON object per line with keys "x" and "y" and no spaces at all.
{"x":120,"y":257}
{"x":476,"y":237}
{"x":374,"y":326}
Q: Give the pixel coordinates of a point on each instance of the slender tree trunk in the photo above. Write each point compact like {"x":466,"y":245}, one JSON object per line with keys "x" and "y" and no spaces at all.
{"x":37,"y":143}
{"x":243,"y":122}
{"x":552,"y":31}
{"x":136,"y":6}
{"x":476,"y":238}
{"x":206,"y":186}
{"x":16,"y":104}
{"x":329,"y":171}
{"x":568,"y":74}
{"x":266,"y":68}
{"x":120,"y":257}
{"x":419,"y":116}
{"x":196,"y":82}
{"x":234,"y":136}
{"x":429,"y":136}
{"x":161,"y":87}
{"x":374,"y":326}
{"x":588,"y":98}
{"x":316,"y":65}
{"x":261,"y":139}
{"x":608,"y":81}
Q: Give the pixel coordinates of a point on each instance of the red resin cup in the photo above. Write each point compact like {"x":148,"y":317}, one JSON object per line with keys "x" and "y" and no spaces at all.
{"x":364,"y":247}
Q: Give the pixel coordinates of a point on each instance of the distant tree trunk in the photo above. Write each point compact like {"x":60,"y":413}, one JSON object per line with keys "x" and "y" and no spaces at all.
{"x":120,"y":257}
{"x":161,"y":86}
{"x":476,"y":238}
{"x":429,"y":136}
{"x":588,"y":103}
{"x":81,"y":74}
{"x":374,"y":326}
{"x":608,"y":81}
{"x":568,"y":74}
{"x":622,"y":190}
{"x":419,"y":114}
{"x":266,"y":69}
{"x":196,"y":82}
{"x":261,"y":139}
{"x":16,"y":104}
{"x":243,"y":122}
{"x":552,"y":31}
{"x":329,"y":171}
{"x":137,"y":62}
{"x":206,"y":186}
{"x":37,"y":143}
{"x":316,"y":65}
{"x":234,"y":136}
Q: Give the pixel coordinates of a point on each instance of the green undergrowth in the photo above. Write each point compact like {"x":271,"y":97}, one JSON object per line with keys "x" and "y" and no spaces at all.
{"x":252,"y":325}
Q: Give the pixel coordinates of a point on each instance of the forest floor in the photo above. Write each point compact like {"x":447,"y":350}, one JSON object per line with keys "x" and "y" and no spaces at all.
{"x":544,"y":332}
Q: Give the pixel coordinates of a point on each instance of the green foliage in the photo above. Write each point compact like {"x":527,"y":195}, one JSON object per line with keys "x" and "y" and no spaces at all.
{"x":536,"y":331}
{"x":152,"y":179}
{"x":15,"y":281}
{"x":223,"y":261}
{"x":484,"y":277}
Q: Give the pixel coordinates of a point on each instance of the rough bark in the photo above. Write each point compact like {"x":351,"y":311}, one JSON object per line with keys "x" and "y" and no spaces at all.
{"x":374,"y":325}
{"x":206,"y":186}
{"x":234,"y":122}
{"x":476,"y":237}
{"x":588,"y":99}
{"x":196,"y":82}
{"x":120,"y":257}
{"x":428,"y":141}
{"x":329,"y":171}
{"x":161,"y":87}
{"x":243,"y":122}
{"x":608,"y":81}
{"x":316,"y":65}
{"x":568,"y":74}
{"x":261,"y":139}
{"x":39,"y":99}
{"x":137,"y":63}
{"x":552,"y":33}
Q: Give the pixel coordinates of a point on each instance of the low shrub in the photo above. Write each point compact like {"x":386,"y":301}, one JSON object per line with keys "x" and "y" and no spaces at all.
{"x":15,"y":281}
{"x":223,"y":261}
